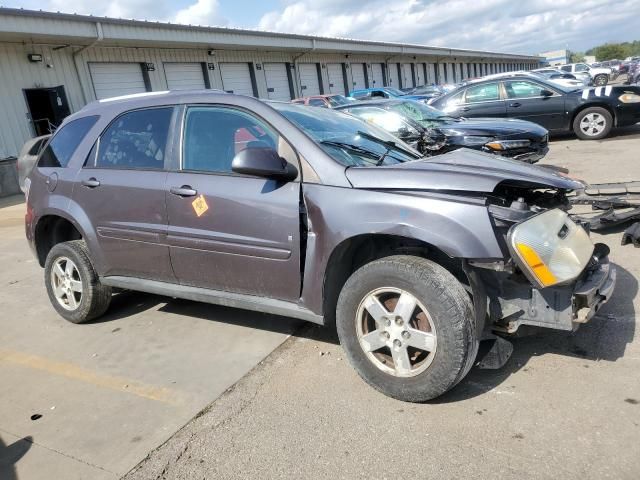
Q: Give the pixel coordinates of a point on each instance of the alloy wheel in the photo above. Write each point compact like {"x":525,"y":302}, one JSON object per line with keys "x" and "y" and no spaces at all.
{"x":396,"y":332}
{"x":66,"y":283}
{"x":593,"y":124}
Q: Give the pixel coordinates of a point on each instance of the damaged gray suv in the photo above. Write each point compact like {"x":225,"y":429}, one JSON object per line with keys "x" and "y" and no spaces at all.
{"x":311,"y":214}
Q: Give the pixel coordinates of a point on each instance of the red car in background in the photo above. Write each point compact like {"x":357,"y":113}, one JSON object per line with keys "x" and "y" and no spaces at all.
{"x":325,"y":101}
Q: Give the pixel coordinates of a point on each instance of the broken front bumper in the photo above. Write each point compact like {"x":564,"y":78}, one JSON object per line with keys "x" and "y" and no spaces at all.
{"x":593,"y":290}
{"x":514,"y":304}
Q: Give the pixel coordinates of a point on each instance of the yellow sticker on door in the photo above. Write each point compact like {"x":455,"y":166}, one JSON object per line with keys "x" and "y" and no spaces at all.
{"x":200,"y":205}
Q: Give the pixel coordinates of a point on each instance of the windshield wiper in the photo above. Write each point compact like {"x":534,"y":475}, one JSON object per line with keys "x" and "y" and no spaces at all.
{"x":389,"y":144}
{"x":353,"y":148}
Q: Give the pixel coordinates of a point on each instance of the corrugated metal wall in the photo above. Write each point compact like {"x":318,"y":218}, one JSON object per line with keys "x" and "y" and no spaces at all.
{"x":17,"y":74}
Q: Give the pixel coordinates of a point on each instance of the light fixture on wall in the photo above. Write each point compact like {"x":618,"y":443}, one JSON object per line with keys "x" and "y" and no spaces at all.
{"x":35,"y":57}
{"x":258,"y":66}
{"x":211,"y":66}
{"x":211,"y":53}
{"x":149,"y":67}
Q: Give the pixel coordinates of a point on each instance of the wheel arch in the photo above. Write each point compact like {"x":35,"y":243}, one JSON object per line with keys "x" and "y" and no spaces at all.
{"x":604,"y":105}
{"x":358,"y":250}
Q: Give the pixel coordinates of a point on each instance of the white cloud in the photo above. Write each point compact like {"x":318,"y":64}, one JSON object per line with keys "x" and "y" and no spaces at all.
{"x":199,"y":12}
{"x":203,"y":12}
{"x":526,"y":27}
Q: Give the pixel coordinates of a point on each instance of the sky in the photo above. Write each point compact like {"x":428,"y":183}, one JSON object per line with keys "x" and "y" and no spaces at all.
{"x":516,"y":26}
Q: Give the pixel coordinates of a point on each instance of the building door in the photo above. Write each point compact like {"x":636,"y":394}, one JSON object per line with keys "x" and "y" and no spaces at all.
{"x":236,"y":78}
{"x":277,"y":79}
{"x":377,"y":77}
{"x":336,"y":78}
{"x":420,"y":69}
{"x":407,"y":76}
{"x":116,"y":79}
{"x":394,"y":78}
{"x":47,"y":108}
{"x":358,"y":75}
{"x":309,"y":79}
{"x":185,"y":76}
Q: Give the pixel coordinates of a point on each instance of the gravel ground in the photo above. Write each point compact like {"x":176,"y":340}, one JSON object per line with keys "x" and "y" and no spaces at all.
{"x":565,"y":405}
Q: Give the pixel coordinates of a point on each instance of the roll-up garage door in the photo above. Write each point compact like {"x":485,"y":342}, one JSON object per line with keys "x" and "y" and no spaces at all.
{"x":359,"y":78}
{"x":377,"y":77}
{"x":420,"y":74}
{"x":116,"y":79}
{"x":336,"y":78}
{"x":184,"y":76}
{"x":275,"y":74}
{"x":309,"y":79}
{"x":394,"y":80}
{"x":236,"y":78}
{"x":407,"y":76}
{"x":431,"y":73}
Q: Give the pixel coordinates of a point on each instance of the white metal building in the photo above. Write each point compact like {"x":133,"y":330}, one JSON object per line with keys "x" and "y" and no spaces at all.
{"x":52,"y":64}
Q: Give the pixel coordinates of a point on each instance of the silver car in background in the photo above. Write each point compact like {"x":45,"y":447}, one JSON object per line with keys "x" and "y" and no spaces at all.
{"x":28,"y":157}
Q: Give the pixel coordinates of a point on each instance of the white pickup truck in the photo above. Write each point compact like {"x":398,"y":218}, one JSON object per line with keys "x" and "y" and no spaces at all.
{"x":596,"y":76}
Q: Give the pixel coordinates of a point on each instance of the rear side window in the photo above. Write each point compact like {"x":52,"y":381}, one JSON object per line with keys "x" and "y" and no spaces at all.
{"x":136,"y":140}
{"x":566,"y":68}
{"x":316,"y":102}
{"x":65,"y":141}
{"x":36,"y":147}
{"x":483,"y":93}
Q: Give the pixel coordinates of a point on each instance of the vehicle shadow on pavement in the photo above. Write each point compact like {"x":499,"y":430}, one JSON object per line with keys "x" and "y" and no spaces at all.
{"x":11,"y":454}
{"x":604,"y":338}
{"x":128,"y":303}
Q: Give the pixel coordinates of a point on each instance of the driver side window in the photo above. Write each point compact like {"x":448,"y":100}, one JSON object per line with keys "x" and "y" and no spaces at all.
{"x":214,"y":135}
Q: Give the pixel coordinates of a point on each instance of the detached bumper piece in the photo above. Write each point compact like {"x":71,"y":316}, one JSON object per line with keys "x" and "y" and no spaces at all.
{"x":611,"y":203}
{"x":632,"y":235}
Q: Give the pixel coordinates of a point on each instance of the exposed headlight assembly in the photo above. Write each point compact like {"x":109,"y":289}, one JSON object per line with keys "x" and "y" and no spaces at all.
{"x":550,"y":248}
{"x":475,"y":141}
{"x":629,"y":98}
{"x":508,"y":144}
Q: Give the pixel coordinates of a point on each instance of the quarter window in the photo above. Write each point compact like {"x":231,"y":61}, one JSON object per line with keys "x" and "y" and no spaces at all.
{"x":566,"y":68}
{"x":214,"y":135}
{"x":522,"y":89}
{"x":316,"y":102}
{"x":136,"y":139}
{"x":483,"y":93}
{"x":65,"y":142}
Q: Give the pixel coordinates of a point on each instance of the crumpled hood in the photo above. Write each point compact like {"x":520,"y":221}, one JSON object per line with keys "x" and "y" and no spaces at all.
{"x":461,"y":170}
{"x":494,"y":127}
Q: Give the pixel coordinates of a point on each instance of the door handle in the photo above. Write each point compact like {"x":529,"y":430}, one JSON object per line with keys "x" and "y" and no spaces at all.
{"x":465,"y":109}
{"x":91,"y":183}
{"x":183,"y":191}
{"x":515,"y":104}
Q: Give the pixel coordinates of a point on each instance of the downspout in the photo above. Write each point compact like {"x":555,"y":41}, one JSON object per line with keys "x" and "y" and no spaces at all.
{"x":76,"y":54}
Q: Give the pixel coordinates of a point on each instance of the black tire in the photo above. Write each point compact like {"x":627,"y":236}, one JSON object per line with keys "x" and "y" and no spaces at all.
{"x":451,"y":312}
{"x":601,"y":80}
{"x":603,"y":113}
{"x":95,"y":297}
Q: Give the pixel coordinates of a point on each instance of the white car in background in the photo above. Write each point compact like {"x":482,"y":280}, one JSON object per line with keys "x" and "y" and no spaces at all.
{"x":562,"y":78}
{"x":598,"y":76}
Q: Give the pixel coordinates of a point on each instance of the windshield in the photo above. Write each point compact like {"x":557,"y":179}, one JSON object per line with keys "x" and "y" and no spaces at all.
{"x":337,"y":100}
{"x":348,"y":140}
{"x":394,"y":91}
{"x":420,"y":112}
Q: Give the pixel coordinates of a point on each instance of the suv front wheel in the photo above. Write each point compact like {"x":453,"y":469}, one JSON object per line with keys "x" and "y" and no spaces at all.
{"x":406,"y":325}
{"x":73,"y":286}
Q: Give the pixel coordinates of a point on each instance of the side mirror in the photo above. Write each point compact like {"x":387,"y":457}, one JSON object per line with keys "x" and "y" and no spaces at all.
{"x":546,"y":93}
{"x":263,"y":162}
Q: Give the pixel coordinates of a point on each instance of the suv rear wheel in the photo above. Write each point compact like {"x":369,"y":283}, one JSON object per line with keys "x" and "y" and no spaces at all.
{"x":73,"y":285}
{"x":592,"y":123}
{"x":406,"y":325}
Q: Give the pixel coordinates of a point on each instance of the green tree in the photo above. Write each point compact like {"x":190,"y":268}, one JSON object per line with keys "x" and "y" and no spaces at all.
{"x":610,"y":51}
{"x":576,"y":57}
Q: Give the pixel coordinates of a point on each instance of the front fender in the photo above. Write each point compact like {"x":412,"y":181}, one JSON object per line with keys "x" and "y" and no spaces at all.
{"x":456,"y":225}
